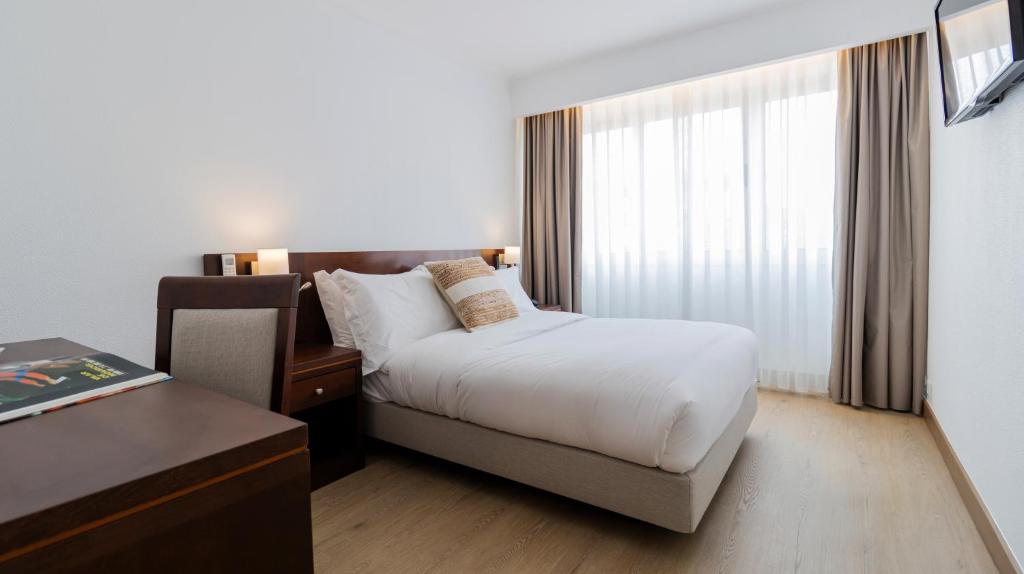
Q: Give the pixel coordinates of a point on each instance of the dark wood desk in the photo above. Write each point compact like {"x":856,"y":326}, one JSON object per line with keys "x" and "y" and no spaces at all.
{"x":166,"y":478}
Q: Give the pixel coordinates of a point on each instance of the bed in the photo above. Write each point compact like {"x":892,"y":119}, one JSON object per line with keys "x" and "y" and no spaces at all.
{"x":640,"y":417}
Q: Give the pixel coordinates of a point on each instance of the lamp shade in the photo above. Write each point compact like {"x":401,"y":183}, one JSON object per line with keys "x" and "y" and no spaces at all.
{"x":272,"y":261}
{"x":512,"y":255}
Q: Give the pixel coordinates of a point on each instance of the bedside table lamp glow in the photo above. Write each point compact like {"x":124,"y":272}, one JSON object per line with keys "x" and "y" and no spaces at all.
{"x":271,"y":262}
{"x":511,"y":256}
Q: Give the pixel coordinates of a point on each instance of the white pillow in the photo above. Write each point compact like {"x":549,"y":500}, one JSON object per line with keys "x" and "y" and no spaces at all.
{"x":509,"y":277}
{"x":332,"y":300}
{"x":388,"y":312}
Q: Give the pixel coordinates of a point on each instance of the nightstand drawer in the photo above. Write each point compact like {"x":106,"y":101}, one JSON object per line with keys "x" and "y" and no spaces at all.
{"x":315,"y":391}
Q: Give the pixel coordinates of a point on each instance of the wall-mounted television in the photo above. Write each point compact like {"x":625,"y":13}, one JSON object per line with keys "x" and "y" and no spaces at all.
{"x":981,"y":54}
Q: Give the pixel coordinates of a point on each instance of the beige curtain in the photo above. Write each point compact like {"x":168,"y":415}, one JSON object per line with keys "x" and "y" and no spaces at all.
{"x":881,"y":254}
{"x":552,"y":182}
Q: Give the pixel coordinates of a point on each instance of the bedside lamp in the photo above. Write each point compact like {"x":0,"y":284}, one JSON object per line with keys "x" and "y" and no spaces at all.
{"x":272,"y":261}
{"x":512,"y":255}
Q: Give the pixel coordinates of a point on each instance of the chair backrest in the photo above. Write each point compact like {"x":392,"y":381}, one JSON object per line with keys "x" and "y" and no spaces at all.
{"x":234,"y":335}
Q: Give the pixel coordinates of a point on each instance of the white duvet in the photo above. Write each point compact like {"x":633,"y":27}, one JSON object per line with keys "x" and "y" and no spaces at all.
{"x":653,"y":392}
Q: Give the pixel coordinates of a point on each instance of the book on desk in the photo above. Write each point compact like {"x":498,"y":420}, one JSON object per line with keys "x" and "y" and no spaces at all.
{"x":35,"y":386}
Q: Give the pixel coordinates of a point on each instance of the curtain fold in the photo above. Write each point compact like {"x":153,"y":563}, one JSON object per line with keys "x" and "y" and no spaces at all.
{"x":552,"y":167}
{"x":712,"y":200}
{"x":880,"y":317}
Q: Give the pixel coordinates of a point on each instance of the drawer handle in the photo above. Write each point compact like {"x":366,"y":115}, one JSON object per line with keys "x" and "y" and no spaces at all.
{"x":319,"y":391}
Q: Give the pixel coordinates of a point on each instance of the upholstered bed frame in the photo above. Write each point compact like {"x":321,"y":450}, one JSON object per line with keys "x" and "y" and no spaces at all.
{"x":671,"y":500}
{"x":674,"y":501}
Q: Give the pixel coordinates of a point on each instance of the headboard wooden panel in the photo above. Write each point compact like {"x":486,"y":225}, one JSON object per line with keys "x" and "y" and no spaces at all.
{"x":311,"y":326}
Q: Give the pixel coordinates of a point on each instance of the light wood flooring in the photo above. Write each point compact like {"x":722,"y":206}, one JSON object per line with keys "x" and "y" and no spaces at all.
{"x":815,"y":488}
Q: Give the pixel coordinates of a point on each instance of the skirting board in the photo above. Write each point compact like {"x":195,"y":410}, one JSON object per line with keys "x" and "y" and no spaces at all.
{"x":990,"y":534}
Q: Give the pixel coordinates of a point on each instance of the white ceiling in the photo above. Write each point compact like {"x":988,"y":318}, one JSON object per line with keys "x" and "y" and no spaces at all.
{"x":521,"y":37}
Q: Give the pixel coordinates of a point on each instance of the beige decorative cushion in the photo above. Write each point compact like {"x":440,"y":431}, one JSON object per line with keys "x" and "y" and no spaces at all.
{"x":473,"y":291}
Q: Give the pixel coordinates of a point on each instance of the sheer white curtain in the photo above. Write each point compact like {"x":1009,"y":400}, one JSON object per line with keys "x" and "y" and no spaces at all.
{"x":712,"y":200}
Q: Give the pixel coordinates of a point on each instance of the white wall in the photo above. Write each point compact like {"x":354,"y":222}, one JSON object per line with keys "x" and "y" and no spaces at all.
{"x":792,"y":30}
{"x":135,"y":136}
{"x":976,"y":306}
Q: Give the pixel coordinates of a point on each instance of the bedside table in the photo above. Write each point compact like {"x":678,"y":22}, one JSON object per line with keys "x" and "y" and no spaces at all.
{"x":326,"y":392}
{"x":549,"y":307}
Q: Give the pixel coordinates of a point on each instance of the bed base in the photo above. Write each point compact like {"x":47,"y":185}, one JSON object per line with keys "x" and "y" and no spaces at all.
{"x":670,"y":500}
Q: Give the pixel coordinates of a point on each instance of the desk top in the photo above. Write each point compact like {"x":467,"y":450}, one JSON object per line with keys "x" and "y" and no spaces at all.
{"x":68,"y":468}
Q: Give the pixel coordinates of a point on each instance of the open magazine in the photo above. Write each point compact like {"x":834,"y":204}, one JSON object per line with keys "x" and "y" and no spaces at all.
{"x":34,"y":387}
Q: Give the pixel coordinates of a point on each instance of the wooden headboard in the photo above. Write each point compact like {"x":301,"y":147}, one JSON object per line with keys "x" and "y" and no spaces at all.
{"x":311,"y":326}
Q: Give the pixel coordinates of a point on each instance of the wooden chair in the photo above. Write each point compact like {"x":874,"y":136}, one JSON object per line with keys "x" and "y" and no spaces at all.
{"x":233,"y":335}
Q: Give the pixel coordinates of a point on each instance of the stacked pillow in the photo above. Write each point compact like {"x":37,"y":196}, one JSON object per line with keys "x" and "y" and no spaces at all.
{"x":382,"y":313}
{"x":331,"y":297}
{"x":379,"y":314}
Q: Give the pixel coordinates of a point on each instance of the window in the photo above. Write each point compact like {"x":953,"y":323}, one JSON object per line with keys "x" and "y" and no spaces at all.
{"x":712,"y":200}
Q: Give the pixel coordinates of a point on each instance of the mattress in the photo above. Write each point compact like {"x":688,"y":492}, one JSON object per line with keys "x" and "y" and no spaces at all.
{"x":653,"y":392}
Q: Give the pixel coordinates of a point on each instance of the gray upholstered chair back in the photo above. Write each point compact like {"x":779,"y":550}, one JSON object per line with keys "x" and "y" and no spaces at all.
{"x":232,"y":335}
{"x":226,"y":350}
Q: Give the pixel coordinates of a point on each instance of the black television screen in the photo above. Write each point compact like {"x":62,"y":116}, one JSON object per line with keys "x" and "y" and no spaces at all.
{"x":981,"y":52}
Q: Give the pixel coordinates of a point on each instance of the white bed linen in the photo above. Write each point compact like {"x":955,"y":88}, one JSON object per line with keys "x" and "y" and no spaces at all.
{"x":653,"y":392}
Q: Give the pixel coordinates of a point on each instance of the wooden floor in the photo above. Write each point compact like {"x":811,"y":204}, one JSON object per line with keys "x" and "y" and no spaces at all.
{"x":815,"y":488}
